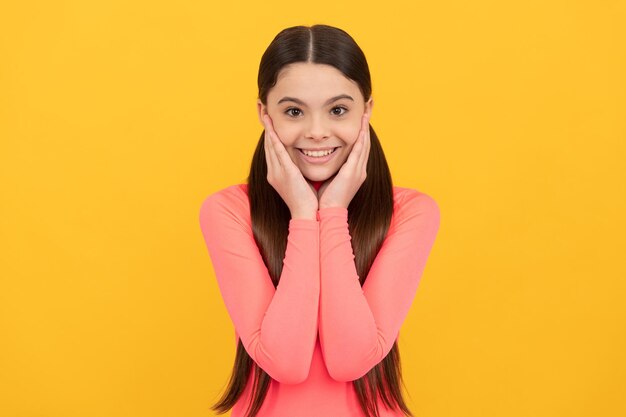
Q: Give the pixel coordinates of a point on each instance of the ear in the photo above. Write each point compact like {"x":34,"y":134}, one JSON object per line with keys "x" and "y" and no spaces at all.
{"x":368,"y":107}
{"x":261,"y":110}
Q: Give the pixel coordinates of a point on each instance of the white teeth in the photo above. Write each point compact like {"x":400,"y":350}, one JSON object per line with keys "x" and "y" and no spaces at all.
{"x":318,"y":153}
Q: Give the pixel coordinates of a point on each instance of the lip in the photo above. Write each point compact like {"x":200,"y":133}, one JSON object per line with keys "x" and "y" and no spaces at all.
{"x":319,"y":149}
{"x":318,"y":160}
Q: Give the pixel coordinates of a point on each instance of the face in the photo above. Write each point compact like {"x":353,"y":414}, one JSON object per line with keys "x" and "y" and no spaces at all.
{"x":314,"y":106}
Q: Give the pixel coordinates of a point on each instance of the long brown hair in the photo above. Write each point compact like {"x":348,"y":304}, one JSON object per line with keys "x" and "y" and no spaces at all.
{"x":369,"y":212}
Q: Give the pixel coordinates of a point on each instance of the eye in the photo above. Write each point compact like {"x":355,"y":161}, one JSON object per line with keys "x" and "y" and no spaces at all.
{"x":293,"y":109}
{"x":339,"y":108}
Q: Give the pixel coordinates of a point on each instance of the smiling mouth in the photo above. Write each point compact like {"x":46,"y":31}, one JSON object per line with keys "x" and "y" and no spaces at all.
{"x":312,"y":153}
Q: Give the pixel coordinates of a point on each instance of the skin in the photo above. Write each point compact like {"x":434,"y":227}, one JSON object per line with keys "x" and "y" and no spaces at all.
{"x":344,"y":123}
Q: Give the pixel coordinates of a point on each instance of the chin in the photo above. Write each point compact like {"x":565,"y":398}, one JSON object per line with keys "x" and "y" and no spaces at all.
{"x":317,"y":177}
{"x":314,"y":178}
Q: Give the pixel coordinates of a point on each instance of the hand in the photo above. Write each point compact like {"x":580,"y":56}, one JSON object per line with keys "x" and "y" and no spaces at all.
{"x":285,"y":176}
{"x":339,"y":190}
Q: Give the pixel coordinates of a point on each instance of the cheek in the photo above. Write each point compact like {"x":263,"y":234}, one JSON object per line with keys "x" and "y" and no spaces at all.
{"x":349,"y":134}
{"x":287,"y":134}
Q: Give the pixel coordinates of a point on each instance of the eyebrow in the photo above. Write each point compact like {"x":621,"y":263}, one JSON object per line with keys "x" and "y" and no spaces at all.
{"x":330,"y":100}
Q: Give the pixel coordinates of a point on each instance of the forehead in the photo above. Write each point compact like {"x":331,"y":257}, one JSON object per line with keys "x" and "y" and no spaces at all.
{"x":313,"y":83}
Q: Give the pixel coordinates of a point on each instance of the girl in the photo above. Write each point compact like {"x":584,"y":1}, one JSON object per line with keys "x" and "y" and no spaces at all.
{"x":318,"y":257}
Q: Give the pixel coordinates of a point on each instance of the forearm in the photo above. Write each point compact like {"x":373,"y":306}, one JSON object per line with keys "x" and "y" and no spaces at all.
{"x":348,"y":331}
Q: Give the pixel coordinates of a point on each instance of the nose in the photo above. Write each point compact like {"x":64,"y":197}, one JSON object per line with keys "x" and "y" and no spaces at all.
{"x":317,"y":128}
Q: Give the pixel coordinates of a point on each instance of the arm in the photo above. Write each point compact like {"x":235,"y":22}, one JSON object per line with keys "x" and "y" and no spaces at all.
{"x":358,"y":325}
{"x":278,"y":326}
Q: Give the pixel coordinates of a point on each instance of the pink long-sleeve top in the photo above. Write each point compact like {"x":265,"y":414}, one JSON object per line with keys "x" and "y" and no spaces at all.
{"x":318,"y":330}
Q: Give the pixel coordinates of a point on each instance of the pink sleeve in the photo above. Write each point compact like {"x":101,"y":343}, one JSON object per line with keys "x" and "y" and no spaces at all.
{"x":358,"y":325}
{"x":278,"y":326}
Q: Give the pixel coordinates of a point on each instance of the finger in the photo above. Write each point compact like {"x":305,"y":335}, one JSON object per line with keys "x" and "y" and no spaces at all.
{"x":271,"y":160}
{"x":281,"y":154}
{"x":279,"y":149}
{"x":269,"y":143}
{"x":266,"y":148}
{"x":357,"y":148}
{"x":269,"y":124}
{"x":366,"y":147}
{"x":368,"y":141}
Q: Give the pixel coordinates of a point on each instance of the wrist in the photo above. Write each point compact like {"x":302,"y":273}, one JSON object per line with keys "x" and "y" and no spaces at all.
{"x":323,"y":205}
{"x":307,"y":215}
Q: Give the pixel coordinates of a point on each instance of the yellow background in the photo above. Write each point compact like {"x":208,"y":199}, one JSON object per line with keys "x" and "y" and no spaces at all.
{"x":118,"y":118}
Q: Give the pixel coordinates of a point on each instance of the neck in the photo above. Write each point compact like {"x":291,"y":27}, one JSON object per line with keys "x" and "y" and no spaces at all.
{"x":317,"y":184}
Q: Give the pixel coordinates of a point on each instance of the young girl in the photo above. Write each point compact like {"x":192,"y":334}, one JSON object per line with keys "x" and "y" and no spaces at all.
{"x":318,"y":257}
